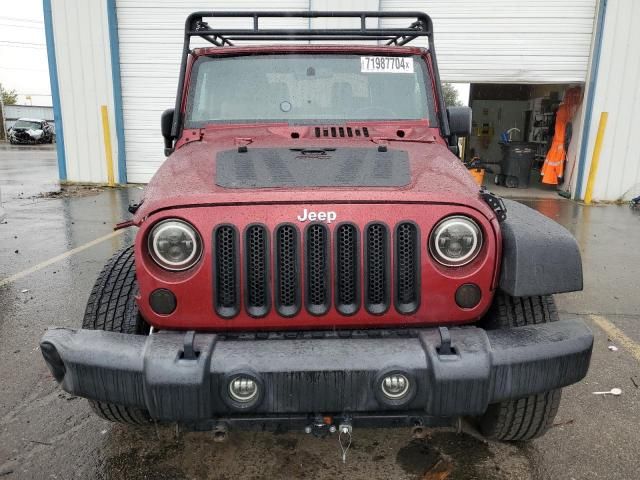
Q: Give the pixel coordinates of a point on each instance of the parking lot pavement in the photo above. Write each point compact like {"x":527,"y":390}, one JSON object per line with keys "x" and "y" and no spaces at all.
{"x":27,"y":170}
{"x":45,"y":433}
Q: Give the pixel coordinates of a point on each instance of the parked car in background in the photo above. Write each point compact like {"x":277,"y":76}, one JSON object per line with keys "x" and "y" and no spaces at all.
{"x":30,"y":131}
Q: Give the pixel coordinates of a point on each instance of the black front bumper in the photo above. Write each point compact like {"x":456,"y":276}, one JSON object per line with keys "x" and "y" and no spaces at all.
{"x":307,"y":374}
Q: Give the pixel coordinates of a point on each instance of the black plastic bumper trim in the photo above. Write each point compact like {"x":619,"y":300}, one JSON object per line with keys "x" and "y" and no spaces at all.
{"x":318,"y":375}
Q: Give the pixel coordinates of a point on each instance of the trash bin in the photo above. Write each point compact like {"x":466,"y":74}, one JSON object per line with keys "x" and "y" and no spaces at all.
{"x":515,"y":166}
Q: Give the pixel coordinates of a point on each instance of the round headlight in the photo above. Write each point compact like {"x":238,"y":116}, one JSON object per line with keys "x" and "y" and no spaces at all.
{"x":175,"y":245}
{"x":455,"y":241}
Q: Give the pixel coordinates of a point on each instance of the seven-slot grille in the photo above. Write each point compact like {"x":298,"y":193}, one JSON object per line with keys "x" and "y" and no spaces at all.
{"x":315,"y":267}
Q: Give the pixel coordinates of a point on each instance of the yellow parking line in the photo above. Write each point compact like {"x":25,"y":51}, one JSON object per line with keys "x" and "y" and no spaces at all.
{"x":618,"y":335}
{"x":62,"y":256}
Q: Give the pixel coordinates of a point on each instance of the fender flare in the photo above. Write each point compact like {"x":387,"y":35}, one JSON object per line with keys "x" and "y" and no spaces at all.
{"x":539,"y":256}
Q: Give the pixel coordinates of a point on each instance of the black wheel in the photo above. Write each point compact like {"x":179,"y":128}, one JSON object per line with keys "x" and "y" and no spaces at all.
{"x":530,"y":417}
{"x":511,"y":182}
{"x":112,"y":307}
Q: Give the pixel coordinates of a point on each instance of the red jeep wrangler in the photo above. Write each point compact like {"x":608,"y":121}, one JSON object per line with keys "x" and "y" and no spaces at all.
{"x":314,"y":255}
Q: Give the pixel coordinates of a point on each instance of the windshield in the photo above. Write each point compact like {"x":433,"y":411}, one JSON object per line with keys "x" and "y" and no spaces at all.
{"x":27,"y":124}
{"x":309,"y":89}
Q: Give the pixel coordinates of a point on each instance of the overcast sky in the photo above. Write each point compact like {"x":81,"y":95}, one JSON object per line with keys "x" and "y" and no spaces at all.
{"x":23,"y":54}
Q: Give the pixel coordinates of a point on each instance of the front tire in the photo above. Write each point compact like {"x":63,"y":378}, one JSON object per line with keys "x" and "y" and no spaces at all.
{"x":526,"y":418}
{"x":112,"y":307}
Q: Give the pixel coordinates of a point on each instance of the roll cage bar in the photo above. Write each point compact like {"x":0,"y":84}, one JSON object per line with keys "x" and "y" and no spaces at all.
{"x":195,"y":26}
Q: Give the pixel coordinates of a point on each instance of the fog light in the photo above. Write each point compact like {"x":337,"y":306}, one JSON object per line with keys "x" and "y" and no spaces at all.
{"x":162,"y":301}
{"x":395,"y":386}
{"x":468,"y":295}
{"x":243,"y":389}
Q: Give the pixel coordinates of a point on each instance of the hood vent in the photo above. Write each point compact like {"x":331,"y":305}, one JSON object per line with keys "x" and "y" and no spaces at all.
{"x":341,"y":132}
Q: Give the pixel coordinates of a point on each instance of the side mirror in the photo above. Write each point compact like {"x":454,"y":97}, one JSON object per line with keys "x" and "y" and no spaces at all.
{"x":166,"y":122}
{"x":459,"y":121}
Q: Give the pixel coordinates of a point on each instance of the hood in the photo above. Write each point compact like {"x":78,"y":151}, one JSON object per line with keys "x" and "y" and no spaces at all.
{"x":195,"y":175}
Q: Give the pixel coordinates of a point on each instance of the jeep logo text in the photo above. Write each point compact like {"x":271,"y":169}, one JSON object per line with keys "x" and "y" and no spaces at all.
{"x":308,"y":216}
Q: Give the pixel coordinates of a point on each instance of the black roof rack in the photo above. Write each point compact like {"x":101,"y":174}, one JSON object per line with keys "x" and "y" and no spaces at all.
{"x":420,"y":26}
{"x":195,"y":26}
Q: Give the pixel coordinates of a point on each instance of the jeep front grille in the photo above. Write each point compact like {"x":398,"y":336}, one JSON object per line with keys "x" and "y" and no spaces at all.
{"x":347,"y":269}
{"x":226,"y":271}
{"x":317,"y":269}
{"x":287,"y":265}
{"x":257,"y":270}
{"x":377,"y":268}
{"x":387,"y":273}
{"x":406,"y":267}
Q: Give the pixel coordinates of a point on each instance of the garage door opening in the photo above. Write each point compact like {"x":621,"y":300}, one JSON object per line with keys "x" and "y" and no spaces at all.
{"x":514,"y":126}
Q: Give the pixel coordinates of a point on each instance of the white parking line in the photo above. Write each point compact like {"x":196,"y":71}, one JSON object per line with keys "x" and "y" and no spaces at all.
{"x":51,"y":261}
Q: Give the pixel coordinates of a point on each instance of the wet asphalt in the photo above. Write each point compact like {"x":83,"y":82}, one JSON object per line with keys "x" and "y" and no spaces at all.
{"x":45,"y":433}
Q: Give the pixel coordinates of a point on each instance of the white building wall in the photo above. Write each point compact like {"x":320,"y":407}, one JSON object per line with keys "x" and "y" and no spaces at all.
{"x":82,"y":50}
{"x":492,"y":41}
{"x":617,"y":92}
{"x":344,"y":5}
{"x":151,"y":34}
{"x":508,"y":41}
{"x":15,"y":112}
{"x":489,"y":41}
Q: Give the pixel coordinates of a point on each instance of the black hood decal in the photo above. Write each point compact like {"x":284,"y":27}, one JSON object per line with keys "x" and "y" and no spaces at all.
{"x":312,"y":167}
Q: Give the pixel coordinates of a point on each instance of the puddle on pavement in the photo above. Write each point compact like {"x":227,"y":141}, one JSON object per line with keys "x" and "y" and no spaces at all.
{"x":417,"y":457}
{"x":449,"y":455}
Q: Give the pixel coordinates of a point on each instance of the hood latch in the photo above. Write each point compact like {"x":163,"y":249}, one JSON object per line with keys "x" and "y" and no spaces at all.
{"x":495,"y":202}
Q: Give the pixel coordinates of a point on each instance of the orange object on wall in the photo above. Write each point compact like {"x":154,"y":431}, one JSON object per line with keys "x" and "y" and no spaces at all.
{"x":477,"y":174}
{"x":553,"y":168}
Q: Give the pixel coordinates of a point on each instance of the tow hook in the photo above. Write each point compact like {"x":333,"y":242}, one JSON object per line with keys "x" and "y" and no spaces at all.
{"x":344,"y":437}
{"x":322,"y":426}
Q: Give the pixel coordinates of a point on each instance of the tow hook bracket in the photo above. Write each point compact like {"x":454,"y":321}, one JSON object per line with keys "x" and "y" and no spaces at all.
{"x":445,"y":348}
{"x":495,"y":202}
{"x":321,"y":427}
{"x":189,"y":352}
